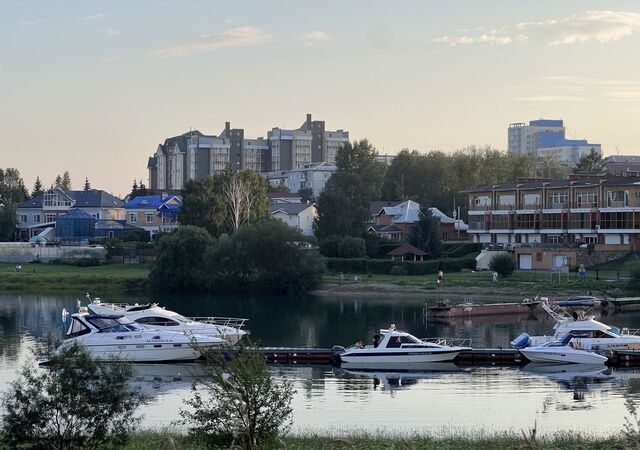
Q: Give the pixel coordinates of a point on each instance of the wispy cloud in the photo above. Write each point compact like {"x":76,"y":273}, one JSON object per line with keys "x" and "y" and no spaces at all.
{"x":313,"y":37}
{"x":592,"y":26}
{"x":235,"y":37}
{"x":550,"y":98}
{"x":97,"y":16}
{"x":112,"y":32}
{"x":32,"y":22}
{"x":110,"y":59}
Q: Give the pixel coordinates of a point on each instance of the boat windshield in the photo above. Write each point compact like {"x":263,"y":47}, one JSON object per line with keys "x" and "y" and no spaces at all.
{"x":180,"y":318}
{"x":107,"y":325}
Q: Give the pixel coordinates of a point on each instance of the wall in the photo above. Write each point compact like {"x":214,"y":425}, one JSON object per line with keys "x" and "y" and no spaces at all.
{"x":24,"y":252}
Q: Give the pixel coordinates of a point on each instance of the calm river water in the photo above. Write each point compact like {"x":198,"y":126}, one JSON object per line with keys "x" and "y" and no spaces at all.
{"x":439,"y":398}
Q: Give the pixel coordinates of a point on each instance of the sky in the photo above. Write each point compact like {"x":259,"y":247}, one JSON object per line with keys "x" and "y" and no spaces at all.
{"x":94,"y":86}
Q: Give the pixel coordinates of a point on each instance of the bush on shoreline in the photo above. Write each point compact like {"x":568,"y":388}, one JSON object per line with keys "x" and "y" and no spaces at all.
{"x":384,"y":266}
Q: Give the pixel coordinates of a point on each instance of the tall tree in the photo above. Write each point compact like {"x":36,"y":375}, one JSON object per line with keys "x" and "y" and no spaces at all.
{"x":425,"y":235}
{"x":87,"y":185}
{"x":134,"y":189}
{"x":58,"y":181}
{"x":66,"y":181}
{"x":343,"y":206}
{"x":591,"y":164}
{"x":12,"y":188}
{"x":8,"y":221}
{"x":37,"y":188}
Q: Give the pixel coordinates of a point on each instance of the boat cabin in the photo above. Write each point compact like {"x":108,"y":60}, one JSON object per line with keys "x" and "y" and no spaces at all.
{"x":83,"y":323}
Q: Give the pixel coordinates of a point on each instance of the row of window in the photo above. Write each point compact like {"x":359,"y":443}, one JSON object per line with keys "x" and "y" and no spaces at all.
{"x":607,"y":221}
{"x":583,"y":200}
{"x":37,"y":218}
{"x":133,"y":217}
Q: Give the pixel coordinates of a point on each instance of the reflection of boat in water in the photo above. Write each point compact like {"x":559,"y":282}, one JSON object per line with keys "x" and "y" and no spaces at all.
{"x":567,"y":372}
{"x":397,"y":347}
{"x":153,"y":379}
{"x":396,"y":377}
{"x":466,"y":309}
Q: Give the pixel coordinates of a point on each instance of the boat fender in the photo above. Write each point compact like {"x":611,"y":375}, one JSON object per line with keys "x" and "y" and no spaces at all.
{"x":521,"y":341}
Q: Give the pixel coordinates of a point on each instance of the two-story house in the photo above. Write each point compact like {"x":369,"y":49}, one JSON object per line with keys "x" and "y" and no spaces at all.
{"x":154,"y":213}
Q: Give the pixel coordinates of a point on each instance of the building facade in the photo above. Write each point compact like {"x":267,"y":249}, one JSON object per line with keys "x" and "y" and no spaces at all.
{"x":296,"y":215}
{"x":310,"y":176}
{"x":154,"y":213}
{"x":599,"y":211}
{"x":547,"y":138}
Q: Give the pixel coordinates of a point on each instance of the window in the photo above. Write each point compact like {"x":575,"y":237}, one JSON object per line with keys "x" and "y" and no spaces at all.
{"x":558,"y":199}
{"x":77,"y":329}
{"x":133,"y":217}
{"x":590,"y":239}
{"x":149,"y":217}
{"x":36,"y":218}
{"x":23,"y":218}
{"x":554,"y":239}
{"x":587,"y":199}
{"x":157,"y":322}
{"x":539,"y":256}
{"x":49,"y":218}
{"x":617,"y":199}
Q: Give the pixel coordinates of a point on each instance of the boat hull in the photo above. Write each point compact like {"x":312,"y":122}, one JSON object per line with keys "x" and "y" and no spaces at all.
{"x":556,"y":356}
{"x":479,"y":310}
{"x":373,"y":359}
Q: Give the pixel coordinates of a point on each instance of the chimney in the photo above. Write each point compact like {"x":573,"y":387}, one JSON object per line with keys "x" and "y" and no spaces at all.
{"x":309,"y":119}
{"x":227,"y":128}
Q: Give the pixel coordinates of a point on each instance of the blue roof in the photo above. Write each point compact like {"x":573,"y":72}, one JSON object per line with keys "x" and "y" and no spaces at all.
{"x":546,"y":123}
{"x":151,"y":202}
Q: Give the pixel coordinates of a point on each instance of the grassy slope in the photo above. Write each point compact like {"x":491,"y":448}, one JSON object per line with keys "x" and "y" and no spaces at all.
{"x":154,"y":440}
{"x":54,"y":278}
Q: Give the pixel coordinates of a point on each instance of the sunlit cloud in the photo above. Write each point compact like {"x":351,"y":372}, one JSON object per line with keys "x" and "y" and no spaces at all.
{"x":313,"y":37}
{"x":97,"y":16}
{"x":235,"y":37}
{"x":592,"y":26}
{"x":112,"y":32}
{"x":32,"y":22}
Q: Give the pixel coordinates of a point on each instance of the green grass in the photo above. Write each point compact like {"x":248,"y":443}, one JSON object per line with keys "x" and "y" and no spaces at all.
{"x":55,"y":278}
{"x":363,"y":441}
{"x":620,"y":266}
{"x":480,"y":282}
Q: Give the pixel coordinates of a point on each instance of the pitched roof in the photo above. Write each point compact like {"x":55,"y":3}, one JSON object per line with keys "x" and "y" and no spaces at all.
{"x":93,"y":198}
{"x":292,"y":209}
{"x":152,"y":201}
{"x":76,"y":213}
{"x":406,"y":249}
{"x":384,"y":228}
{"x":376,"y":206}
{"x":405,"y":212}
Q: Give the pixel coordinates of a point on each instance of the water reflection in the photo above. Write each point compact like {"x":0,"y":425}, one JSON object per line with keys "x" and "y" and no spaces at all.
{"x":424,"y":398}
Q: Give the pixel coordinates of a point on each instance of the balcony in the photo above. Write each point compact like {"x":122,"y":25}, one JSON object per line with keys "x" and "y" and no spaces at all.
{"x":586,"y":205}
{"x":536,"y":205}
{"x":505,"y":207}
{"x":562,"y":205}
{"x":480,"y":208}
{"x":617,"y":204}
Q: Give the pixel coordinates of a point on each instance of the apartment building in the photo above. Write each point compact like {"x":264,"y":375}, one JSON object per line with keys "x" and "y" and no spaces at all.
{"x":576,"y":211}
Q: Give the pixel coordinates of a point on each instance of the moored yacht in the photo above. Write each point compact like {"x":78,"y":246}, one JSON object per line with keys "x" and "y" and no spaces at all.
{"x":396,"y":347}
{"x":156,"y":317}
{"x":585,"y":331}
{"x":116,"y":336}
{"x":561,"y":352}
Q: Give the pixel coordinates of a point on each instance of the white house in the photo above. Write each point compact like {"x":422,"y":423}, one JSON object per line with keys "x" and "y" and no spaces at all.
{"x":297,"y":215}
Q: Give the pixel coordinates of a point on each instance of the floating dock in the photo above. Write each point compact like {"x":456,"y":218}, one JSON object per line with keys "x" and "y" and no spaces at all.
{"x":480,"y":356}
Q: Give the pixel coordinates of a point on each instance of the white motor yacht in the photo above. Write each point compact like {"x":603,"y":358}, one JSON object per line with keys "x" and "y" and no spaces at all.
{"x":561,"y":352}
{"x":153,"y":316}
{"x":116,"y":336}
{"x":587,"y":332}
{"x":396,"y":347}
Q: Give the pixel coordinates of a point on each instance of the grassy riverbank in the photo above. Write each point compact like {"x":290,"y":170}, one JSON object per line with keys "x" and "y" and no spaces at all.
{"x":115,"y":279}
{"x":59,"y":278}
{"x":481,"y":441}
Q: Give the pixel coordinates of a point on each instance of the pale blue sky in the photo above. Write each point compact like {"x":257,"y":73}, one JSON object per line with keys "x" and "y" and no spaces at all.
{"x":93,"y":87}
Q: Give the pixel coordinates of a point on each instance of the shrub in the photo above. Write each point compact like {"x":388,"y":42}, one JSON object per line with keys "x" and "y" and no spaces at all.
{"x":397,"y":270}
{"x":78,"y":403}
{"x":352,"y":247}
{"x":329,"y":246}
{"x":503,"y":263}
{"x":242,"y":404}
{"x":383,"y":266}
{"x":87,"y":262}
{"x":634,"y":273}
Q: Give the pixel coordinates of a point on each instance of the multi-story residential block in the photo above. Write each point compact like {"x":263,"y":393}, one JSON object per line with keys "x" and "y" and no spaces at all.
{"x":547,"y":138}
{"x":154,"y":213}
{"x":194,"y":155}
{"x":598,"y":211}
{"x":310,"y":176}
{"x":41,"y":212}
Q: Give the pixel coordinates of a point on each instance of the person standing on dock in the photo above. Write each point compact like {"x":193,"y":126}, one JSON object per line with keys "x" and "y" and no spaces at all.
{"x":440,"y":276}
{"x":494,"y":277}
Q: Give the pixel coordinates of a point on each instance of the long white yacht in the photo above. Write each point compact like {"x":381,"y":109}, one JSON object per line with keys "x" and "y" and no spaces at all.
{"x":156,"y":317}
{"x":116,"y":336}
{"x":396,"y":347}
{"x":562,"y":352}
{"x":587,"y":332}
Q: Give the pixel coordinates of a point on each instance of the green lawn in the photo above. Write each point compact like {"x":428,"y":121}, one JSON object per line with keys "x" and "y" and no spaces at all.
{"x":51,"y":278}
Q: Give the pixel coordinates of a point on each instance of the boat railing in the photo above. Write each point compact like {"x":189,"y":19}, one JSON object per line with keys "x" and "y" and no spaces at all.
{"x":234,"y":322}
{"x":449,"y":342}
{"x":630,"y":332}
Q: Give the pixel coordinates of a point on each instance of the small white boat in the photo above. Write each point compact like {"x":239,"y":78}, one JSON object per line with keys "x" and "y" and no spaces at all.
{"x":116,"y":336}
{"x":396,"y":347}
{"x":561,"y":352}
{"x":156,"y":317}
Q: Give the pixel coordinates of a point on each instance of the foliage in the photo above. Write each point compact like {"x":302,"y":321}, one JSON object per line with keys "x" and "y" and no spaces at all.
{"x":343,"y":205}
{"x":139,"y":190}
{"x":503,"y":263}
{"x":238,"y":403}
{"x":437,"y":178}
{"x":634,"y":273}
{"x":37,"y":188}
{"x":179,"y":260}
{"x":277,"y":188}
{"x":209,"y":204}
{"x":12,"y":188}
{"x":8,"y":222}
{"x":136,"y":236}
{"x":77,"y":403}
{"x":87,"y":185}
{"x":66,"y":181}
{"x":590,"y":164}
{"x":425,"y":235}
{"x":351,"y":247}
{"x":457,"y":250}
{"x":306,"y":194}
{"x":397,"y":270}
{"x":384,"y":266}
{"x":329,"y":246}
